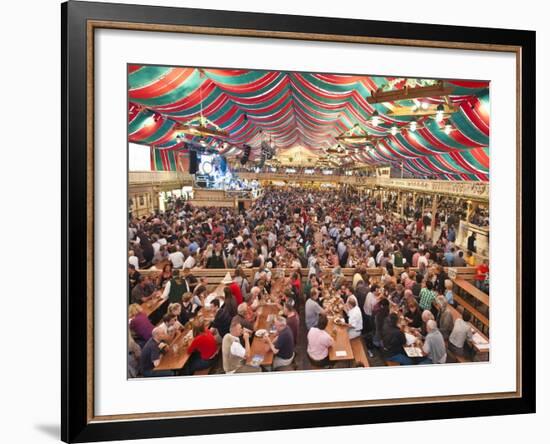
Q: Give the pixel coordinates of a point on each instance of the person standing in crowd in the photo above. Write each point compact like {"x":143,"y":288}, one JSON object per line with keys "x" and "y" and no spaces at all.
{"x":427,"y":296}
{"x":444,"y":318}
{"x":472,"y":242}
{"x":313,"y":309}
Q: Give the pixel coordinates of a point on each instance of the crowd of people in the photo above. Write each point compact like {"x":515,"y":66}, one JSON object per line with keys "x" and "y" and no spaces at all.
{"x":321,"y":231}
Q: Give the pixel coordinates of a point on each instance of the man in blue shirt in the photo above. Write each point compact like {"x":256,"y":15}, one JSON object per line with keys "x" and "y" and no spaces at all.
{"x":450,"y":257}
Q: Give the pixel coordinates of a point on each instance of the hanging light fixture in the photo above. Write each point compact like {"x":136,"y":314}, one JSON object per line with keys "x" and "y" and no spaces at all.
{"x":439,"y":113}
{"x":448,"y":128}
{"x":393,"y":130}
{"x":424,"y":105}
{"x":413,"y":125}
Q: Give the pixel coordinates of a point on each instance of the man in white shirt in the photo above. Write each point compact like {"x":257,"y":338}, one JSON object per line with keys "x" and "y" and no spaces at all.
{"x":347,"y":232}
{"x":156,"y":247}
{"x":133,"y":259}
{"x":355,"y":318}
{"x":234,"y":355}
{"x":176,"y":258}
{"x":190,"y":262}
{"x":423,"y":260}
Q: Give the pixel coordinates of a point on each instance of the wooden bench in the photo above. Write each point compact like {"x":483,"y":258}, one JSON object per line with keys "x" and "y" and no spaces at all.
{"x":359,"y":351}
{"x":458,"y":358}
{"x":392,"y":363}
{"x":472,"y":290}
{"x":476,"y":314}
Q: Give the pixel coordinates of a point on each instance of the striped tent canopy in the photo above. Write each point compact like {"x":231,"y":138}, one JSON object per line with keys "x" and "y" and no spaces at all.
{"x":315,"y":112}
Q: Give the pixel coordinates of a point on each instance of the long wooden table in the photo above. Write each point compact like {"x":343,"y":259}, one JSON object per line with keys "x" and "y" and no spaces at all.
{"x":176,"y":355}
{"x":258,"y":345}
{"x":341,"y":342}
{"x":152,"y":305}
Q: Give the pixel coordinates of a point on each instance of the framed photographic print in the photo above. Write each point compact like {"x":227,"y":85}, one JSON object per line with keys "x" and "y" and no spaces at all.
{"x":275,"y":221}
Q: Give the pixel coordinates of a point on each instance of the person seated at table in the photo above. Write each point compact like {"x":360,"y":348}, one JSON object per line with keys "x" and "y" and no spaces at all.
{"x":175,"y":309}
{"x":357,"y":277}
{"x":394,"y":339}
{"x":292,"y":318}
{"x":151,"y":354}
{"x":312,"y":282}
{"x":140,"y":325}
{"x":200,"y":293}
{"x":133,"y":278}
{"x":434,"y":345}
{"x":164,"y":276}
{"x":190,"y":304}
{"x":397,"y":294}
{"x":462,"y":332}
{"x":264,"y":287}
{"x":283,"y":344}
{"x":188,"y":280}
{"x":253,"y":299}
{"x":382,"y":310}
{"x":445,"y":321}
{"x":203,"y":282}
{"x":202,"y":350}
{"x":413,"y":315}
{"x":241,"y":316}
{"x":427,"y":315}
{"x":319,"y":342}
{"x":134,"y":353}
{"x":234,"y":355}
{"x":222,"y":320}
{"x":355,"y":318}
{"x":241,"y":280}
{"x":169,"y":326}
{"x":176,"y":257}
{"x":313,"y":309}
{"x":144,"y":290}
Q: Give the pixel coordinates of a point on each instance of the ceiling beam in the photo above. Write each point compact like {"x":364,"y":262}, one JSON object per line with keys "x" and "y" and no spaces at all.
{"x":408,"y":93}
{"x":405,"y":111}
{"x":201,"y":131}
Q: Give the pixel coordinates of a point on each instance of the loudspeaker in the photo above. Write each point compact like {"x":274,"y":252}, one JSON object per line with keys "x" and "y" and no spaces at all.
{"x":193,"y":163}
{"x":246,"y":154}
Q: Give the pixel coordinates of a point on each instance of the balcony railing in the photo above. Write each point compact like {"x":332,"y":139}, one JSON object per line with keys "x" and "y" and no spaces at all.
{"x":466,"y":189}
{"x":158,"y":177}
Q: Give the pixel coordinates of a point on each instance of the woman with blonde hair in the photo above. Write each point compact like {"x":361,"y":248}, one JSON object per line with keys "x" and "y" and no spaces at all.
{"x":140,"y":325}
{"x":449,"y":292}
{"x":175,"y":309}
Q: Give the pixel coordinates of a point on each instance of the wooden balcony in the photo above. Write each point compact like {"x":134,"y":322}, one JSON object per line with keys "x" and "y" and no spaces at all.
{"x":167,"y":180}
{"x":478,"y":191}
